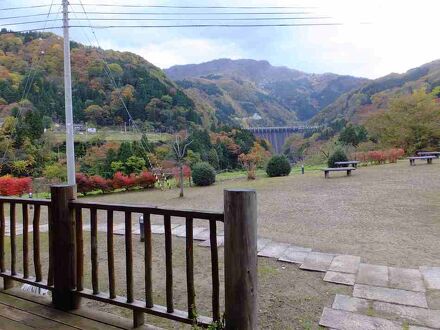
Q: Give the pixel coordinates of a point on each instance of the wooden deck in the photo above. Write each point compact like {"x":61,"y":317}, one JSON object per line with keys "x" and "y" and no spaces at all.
{"x":21,"y":310}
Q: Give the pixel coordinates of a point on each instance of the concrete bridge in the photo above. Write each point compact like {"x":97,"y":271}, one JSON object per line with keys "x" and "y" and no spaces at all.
{"x":277,"y":136}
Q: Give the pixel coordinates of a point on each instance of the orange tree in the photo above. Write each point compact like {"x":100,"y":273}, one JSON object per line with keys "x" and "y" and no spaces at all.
{"x":256,"y":157}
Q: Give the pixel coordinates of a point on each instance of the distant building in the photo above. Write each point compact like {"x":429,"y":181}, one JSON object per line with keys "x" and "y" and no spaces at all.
{"x":79,"y":127}
{"x":91,"y":130}
{"x":256,"y":116}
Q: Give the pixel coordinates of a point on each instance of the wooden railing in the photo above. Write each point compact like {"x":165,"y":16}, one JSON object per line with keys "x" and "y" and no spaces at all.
{"x":66,"y":256}
{"x":10,"y":274}
{"x":140,"y":307}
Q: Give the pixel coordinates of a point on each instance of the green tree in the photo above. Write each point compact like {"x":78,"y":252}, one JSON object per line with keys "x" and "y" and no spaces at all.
{"x":411,"y":123}
{"x":353,"y":135}
{"x":134,"y":165}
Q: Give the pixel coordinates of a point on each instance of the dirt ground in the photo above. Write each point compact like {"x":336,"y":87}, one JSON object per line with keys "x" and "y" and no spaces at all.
{"x":388,"y":214}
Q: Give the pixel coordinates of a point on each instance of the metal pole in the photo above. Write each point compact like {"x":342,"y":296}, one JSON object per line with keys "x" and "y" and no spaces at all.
{"x":70,"y":149}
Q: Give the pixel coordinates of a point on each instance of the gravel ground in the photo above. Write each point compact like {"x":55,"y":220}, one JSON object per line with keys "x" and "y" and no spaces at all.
{"x":388,"y":214}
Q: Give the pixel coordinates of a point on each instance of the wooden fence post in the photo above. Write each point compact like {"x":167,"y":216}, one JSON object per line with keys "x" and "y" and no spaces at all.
{"x":64,"y":248}
{"x":241,"y":271}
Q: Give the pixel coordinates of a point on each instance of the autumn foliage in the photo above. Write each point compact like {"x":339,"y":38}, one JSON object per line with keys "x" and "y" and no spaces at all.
{"x":10,"y":186}
{"x":380,"y":156}
{"x":87,"y":184}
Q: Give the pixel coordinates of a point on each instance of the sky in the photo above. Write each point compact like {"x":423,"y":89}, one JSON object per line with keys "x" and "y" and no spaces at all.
{"x":375,"y":38}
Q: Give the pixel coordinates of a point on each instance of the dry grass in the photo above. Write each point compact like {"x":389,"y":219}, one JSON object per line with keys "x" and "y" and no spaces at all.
{"x":388,"y":214}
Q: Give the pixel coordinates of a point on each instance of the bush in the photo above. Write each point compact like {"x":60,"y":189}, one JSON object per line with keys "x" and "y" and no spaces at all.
{"x":278,"y":166}
{"x":203,"y":174}
{"x":337,"y":156}
{"x":146,"y":180}
{"x":10,"y":186}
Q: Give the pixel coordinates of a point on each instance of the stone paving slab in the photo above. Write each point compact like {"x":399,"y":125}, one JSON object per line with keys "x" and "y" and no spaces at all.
{"x":202,"y":236}
{"x":413,"y":315}
{"x":19,"y":229}
{"x":296,"y":257}
{"x":344,"y":320}
{"x":157,"y":229}
{"x":413,"y":327}
{"x":351,"y":304}
{"x":317,"y":261}
{"x":220,"y":242}
{"x":196,"y":231}
{"x":119,"y":229}
{"x":295,"y":254}
{"x":345,"y":264}
{"x":396,"y":296}
{"x":406,"y":279}
{"x":273,"y":250}
{"x":262,"y":243}
{"x":160,"y":229}
{"x":340,"y":278}
{"x":179,"y":230}
{"x":372,"y":275}
{"x":431,"y":276}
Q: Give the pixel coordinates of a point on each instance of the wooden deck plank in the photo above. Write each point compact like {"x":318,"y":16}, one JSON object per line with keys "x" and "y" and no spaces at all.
{"x":8,"y":324}
{"x":31,"y":320}
{"x":82,"y":318}
{"x":44,"y":309}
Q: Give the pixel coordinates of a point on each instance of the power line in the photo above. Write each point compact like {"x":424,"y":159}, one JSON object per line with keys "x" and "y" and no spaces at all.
{"x":205,"y":25}
{"x":25,"y":16}
{"x":201,"y":19}
{"x":190,"y":7}
{"x":196,"y":13}
{"x":31,"y":22}
{"x":183,"y":26}
{"x":25,"y":7}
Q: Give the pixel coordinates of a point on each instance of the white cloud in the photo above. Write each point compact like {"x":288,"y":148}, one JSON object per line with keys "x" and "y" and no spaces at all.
{"x":185,"y":51}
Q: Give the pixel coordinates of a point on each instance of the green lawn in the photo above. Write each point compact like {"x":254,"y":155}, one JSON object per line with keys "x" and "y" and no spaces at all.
{"x":114,"y":136}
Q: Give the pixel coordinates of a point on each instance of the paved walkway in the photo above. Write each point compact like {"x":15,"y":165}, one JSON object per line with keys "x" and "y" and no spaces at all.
{"x":383,"y":297}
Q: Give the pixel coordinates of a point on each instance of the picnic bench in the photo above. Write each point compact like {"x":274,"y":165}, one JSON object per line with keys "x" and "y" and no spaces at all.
{"x":412,"y":160}
{"x":429,"y":153}
{"x":338,"y":169}
{"x":349,"y":163}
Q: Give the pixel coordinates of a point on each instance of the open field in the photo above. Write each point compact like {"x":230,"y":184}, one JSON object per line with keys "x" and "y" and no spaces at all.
{"x":111,"y":136}
{"x":388,"y":214}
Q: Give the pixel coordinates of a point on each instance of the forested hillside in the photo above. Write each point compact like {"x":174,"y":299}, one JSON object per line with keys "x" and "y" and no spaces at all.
{"x":31,"y":67}
{"x":357,"y":105}
{"x":239,"y":89}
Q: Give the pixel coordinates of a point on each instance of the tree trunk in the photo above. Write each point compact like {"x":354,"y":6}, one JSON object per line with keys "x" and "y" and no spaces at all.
{"x":181,"y":180}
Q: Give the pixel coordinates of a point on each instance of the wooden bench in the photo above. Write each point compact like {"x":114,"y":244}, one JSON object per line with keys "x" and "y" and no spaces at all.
{"x":412,"y":160}
{"x":338,"y":169}
{"x":349,"y":163}
{"x":429,"y":153}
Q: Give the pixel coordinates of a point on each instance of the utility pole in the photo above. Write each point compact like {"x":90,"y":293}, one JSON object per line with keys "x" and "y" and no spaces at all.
{"x":70,"y":148}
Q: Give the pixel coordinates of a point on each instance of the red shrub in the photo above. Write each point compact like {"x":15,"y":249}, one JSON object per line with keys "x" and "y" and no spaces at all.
{"x":10,"y":186}
{"x":83,"y":183}
{"x":377,"y":157}
{"x":99,"y":183}
{"x":146,"y":180}
{"x":122,"y":181}
{"x":186,"y":172}
{"x":393,"y":155}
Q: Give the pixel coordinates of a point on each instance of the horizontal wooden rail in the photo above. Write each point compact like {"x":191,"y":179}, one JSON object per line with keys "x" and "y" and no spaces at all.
{"x":137,"y":305}
{"x":27,"y":201}
{"x":201,"y":215}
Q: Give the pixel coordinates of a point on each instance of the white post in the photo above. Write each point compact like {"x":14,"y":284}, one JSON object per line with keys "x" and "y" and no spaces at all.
{"x":70,"y":149}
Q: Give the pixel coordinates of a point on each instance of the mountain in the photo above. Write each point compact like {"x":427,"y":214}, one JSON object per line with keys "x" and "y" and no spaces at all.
{"x":375,"y":95}
{"x":259,"y":94}
{"x":31,"y":68}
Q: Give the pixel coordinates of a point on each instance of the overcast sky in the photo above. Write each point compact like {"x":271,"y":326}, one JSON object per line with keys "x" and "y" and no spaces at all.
{"x":377,"y":36}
